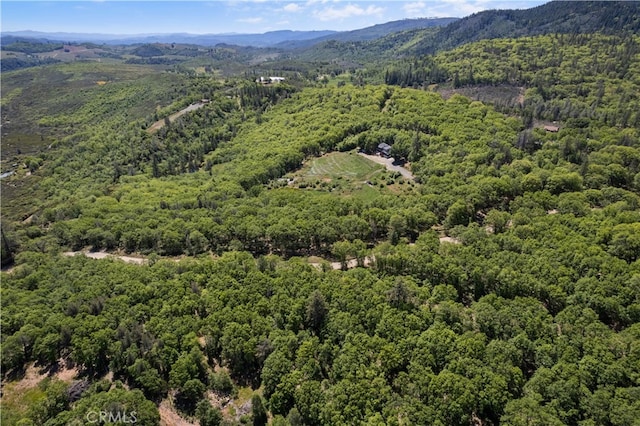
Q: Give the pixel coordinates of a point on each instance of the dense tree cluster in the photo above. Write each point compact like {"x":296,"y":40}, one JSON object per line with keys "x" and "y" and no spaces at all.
{"x":540,"y":316}
{"x":469,"y":159}
{"x":579,"y":76}
{"x":16,"y":63}
{"x":28,"y":45}
{"x":553,"y":17}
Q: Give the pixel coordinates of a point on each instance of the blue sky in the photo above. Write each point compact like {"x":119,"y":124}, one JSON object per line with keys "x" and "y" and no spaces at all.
{"x":239,"y":16}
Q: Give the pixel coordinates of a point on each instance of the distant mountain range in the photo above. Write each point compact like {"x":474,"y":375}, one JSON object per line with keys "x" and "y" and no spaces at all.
{"x":285,"y":38}
{"x":374,"y":32}
{"x":397,"y":38}
{"x":568,"y":17}
{"x":257,"y":40}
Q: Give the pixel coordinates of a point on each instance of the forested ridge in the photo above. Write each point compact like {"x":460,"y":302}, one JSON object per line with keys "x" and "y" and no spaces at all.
{"x":499,"y":285}
{"x":558,"y":17}
{"x":605,"y":89}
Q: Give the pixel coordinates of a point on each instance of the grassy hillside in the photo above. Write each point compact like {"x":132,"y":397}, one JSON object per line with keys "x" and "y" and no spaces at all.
{"x":39,"y":100}
{"x":50,"y":115}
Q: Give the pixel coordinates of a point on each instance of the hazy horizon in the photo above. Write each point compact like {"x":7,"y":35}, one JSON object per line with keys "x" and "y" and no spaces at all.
{"x":120,"y":18}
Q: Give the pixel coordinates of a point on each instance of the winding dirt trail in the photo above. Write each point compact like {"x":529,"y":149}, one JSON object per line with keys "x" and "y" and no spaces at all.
{"x":351,"y":263}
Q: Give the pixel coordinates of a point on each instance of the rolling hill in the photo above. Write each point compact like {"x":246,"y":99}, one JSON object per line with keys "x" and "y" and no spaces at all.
{"x":410,"y":40}
{"x":372,"y":33}
{"x":553,"y":17}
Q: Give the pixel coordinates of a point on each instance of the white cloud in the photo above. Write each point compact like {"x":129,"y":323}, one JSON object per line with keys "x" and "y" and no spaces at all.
{"x":348,"y":11}
{"x":255,"y":20}
{"x":233,"y":2}
{"x":415,"y":9}
{"x":460,"y":8}
{"x":292,"y":7}
{"x":467,"y":7}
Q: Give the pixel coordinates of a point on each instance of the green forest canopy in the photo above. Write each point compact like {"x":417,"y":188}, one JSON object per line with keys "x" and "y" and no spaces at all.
{"x":530,"y":316}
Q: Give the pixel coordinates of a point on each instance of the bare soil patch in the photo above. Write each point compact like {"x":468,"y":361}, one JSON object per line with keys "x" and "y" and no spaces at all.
{"x":488,"y":94}
{"x":173,"y":117}
{"x":170,"y":417}
{"x":105,"y":255}
{"x":32,"y":377}
{"x":67,"y":374}
{"x":450,"y":240}
{"x":351,"y":263}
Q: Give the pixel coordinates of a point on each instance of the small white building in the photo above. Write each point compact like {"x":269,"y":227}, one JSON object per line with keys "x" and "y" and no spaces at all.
{"x":270,"y":80}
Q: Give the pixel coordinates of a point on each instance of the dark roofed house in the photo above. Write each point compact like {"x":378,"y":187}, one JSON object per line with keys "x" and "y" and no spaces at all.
{"x":384,"y":150}
{"x":553,"y":129}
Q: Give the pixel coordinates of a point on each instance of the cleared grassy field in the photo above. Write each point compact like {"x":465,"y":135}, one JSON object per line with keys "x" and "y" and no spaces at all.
{"x":340,"y":165}
{"x":347,"y":173}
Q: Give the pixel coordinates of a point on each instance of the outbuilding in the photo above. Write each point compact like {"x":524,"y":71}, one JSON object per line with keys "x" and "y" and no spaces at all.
{"x":384,"y":150}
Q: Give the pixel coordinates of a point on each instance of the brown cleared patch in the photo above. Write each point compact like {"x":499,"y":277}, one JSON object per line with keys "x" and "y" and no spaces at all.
{"x":169,"y":415}
{"x":160,"y":123}
{"x":488,"y":94}
{"x":450,"y":240}
{"x":32,"y":376}
{"x":18,"y":395}
{"x":520,"y":98}
{"x":67,"y":374}
{"x":388,"y":163}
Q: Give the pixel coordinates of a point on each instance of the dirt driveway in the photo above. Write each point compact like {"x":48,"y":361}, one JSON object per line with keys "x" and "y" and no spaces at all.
{"x":388,"y":163}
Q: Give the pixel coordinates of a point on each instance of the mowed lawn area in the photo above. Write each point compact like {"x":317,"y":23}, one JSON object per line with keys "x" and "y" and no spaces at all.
{"x":345,"y":173}
{"x":340,"y":165}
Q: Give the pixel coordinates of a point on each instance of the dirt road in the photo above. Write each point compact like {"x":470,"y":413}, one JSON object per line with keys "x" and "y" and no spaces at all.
{"x":351,"y":263}
{"x":388,"y":163}
{"x":104,"y":255}
{"x":160,"y":123}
